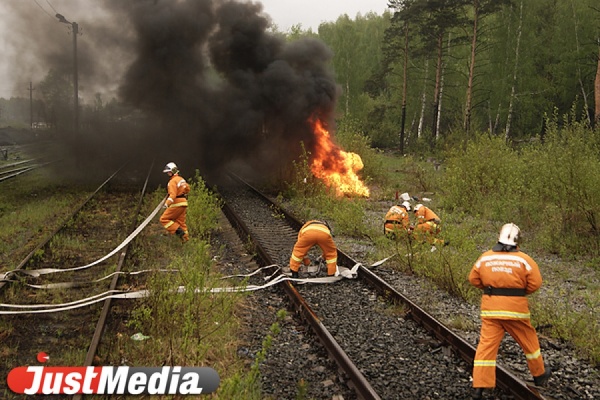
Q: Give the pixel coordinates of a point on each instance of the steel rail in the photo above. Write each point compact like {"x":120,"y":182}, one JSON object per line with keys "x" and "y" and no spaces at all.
{"x":101,"y":324}
{"x":359,"y":383}
{"x":60,"y":227}
{"x":17,"y":163}
{"x":506,"y":380}
{"x":16,"y":172}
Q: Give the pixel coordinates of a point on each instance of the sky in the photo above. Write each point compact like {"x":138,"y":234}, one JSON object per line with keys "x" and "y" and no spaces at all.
{"x":33,"y":20}
{"x":310,"y":13}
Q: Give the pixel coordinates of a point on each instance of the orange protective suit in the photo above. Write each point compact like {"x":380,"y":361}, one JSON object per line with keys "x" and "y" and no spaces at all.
{"x":314,"y":233}
{"x":427,"y":220}
{"x":175,"y":214}
{"x":506,"y":275}
{"x":396,"y":221}
{"x":428,"y":225}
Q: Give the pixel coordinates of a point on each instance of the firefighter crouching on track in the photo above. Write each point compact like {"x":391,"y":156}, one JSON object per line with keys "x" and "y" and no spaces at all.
{"x":397,"y":220}
{"x":173,"y":218}
{"x":506,"y":275}
{"x":314,"y":233}
{"x":428,"y":224}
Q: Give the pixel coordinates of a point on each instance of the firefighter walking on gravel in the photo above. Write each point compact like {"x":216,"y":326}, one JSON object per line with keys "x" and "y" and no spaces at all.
{"x":173,"y":218}
{"x":506,"y":275}
{"x":314,"y":233}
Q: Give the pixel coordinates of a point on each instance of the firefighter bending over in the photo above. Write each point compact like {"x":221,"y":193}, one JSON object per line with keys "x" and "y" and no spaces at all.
{"x":173,"y":218}
{"x":506,"y":275}
{"x":314,"y":233}
{"x":397,"y":220}
{"x":428,"y":225}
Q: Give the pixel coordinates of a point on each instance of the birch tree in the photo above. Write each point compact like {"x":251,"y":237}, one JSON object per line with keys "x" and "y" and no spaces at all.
{"x":400,"y":27}
{"x":481,"y":9}
{"x":511,"y":101}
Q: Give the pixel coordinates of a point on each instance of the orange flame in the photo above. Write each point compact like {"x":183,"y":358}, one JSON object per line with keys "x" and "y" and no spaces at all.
{"x":336,"y":167}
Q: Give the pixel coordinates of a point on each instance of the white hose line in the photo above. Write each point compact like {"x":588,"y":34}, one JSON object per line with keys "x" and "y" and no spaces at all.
{"x":43,"y":271}
{"x":64,"y":285}
{"x":117,"y":294}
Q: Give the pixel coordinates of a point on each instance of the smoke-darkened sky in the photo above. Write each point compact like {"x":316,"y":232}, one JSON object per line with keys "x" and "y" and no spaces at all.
{"x":215,"y":85}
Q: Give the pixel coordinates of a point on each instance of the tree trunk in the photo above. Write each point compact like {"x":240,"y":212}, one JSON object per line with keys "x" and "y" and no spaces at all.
{"x":514,"y":82}
{"x":423,"y":101}
{"x":467,"y":121}
{"x":436,"y":90}
{"x":439,"y":113}
{"x":404,"y":87}
{"x":597,"y":90}
{"x":583,"y":92}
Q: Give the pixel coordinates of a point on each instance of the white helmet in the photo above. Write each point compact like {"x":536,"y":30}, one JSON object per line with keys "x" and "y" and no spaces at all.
{"x":171,"y":167}
{"x":509,"y":234}
{"x":418,"y":206}
{"x":406,"y":205}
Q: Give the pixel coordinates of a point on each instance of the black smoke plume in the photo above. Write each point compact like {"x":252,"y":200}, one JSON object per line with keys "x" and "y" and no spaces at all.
{"x":215,"y":87}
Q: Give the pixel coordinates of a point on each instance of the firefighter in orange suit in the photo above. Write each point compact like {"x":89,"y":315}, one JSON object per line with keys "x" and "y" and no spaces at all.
{"x":428,"y":224}
{"x":506,"y":275}
{"x":314,"y":233}
{"x":173,"y":218}
{"x":397,"y":220}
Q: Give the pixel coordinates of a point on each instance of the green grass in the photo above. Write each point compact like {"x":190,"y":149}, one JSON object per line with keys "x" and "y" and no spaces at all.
{"x":30,"y":211}
{"x":477,"y":190}
{"x":192,"y":327}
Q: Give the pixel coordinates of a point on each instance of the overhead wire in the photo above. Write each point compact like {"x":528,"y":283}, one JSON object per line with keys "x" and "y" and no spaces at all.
{"x":53,"y":9}
{"x":42,"y":8}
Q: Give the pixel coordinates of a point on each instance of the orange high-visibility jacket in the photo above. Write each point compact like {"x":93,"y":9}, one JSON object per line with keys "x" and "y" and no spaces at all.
{"x":396,"y":215}
{"x":177,"y":188}
{"x":505,"y":270}
{"x":425,"y":214}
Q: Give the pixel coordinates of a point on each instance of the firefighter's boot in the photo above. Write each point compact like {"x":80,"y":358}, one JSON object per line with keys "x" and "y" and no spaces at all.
{"x":543,"y":378}
{"x":477,"y":393}
{"x":182,"y":235}
{"x":295,"y":274}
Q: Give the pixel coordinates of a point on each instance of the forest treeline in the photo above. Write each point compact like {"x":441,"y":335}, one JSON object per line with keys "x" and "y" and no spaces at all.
{"x":432,"y":70}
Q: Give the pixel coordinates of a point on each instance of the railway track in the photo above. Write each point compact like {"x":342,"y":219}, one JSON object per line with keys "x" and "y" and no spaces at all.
{"x":355,"y":339}
{"x":16,"y":160}
{"x":384,"y":345}
{"x":15,"y":169}
{"x":61,"y":271}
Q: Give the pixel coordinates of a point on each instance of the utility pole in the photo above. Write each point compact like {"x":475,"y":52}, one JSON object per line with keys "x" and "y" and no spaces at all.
{"x":75,"y":27}
{"x":75,"y":77}
{"x":31,"y":89}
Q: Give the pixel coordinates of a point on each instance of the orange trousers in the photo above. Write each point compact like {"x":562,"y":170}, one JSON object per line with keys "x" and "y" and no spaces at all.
{"x":307,"y":238}
{"x":492,"y":332}
{"x":428,"y":231}
{"x":395,"y":229}
{"x":173,"y":218}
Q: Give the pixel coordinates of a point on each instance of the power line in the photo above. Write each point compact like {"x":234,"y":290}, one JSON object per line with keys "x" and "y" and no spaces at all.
{"x":51,"y":6}
{"x":42,"y":8}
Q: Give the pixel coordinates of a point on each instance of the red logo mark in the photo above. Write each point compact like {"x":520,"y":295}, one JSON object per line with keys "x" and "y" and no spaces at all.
{"x":42,"y":357}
